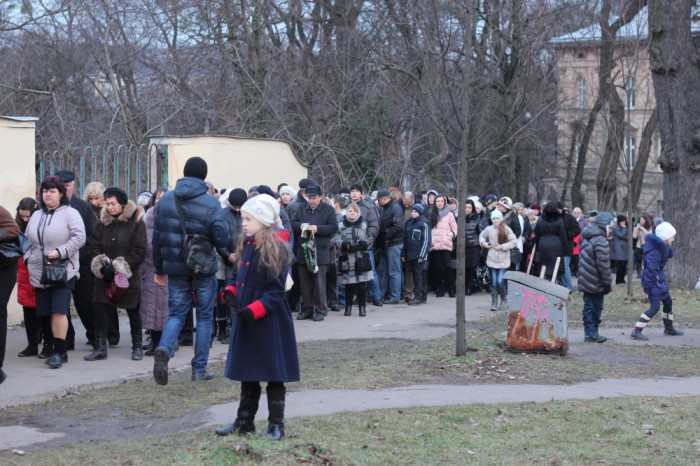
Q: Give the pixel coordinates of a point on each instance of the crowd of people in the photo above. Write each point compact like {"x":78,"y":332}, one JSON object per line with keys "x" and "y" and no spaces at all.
{"x":240,"y":263}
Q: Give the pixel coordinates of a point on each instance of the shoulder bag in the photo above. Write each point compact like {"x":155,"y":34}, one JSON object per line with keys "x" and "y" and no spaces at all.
{"x":11,"y":251}
{"x":53,"y":272}
{"x":196,"y":249}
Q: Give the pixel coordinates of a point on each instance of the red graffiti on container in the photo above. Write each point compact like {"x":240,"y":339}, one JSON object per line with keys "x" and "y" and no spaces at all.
{"x":533,"y":302}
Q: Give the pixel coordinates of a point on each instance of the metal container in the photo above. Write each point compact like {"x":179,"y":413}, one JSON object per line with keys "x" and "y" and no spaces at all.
{"x":537,"y":319}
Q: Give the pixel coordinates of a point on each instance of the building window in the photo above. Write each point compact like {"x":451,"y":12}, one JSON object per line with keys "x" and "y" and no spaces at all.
{"x":631,"y":91}
{"x":630,"y":148}
{"x":581,"y":92}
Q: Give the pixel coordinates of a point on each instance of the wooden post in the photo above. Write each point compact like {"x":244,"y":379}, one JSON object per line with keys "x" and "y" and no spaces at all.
{"x":556,"y":269}
{"x":532,"y":258}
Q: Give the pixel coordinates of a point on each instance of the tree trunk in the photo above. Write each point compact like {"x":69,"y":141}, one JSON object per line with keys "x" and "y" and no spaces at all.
{"x":606,"y":181}
{"x":674,"y":65}
{"x":641,"y":164}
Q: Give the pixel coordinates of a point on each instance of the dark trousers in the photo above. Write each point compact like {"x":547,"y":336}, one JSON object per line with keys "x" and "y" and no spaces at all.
{"x":332,"y":284}
{"x":82,"y":299}
{"x":420,"y":288}
{"x":620,"y":271}
{"x":294,"y":294}
{"x":313,"y":290}
{"x":8,"y":278}
{"x":101,"y":318}
{"x":440,"y":271}
{"x":351,"y":289}
{"x":31,"y":325}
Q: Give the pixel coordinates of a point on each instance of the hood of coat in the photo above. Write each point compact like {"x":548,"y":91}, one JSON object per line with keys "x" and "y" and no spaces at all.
{"x":130,"y":212}
{"x":550,"y":215}
{"x":591,"y":230}
{"x":444,"y":211}
{"x":189,"y":187}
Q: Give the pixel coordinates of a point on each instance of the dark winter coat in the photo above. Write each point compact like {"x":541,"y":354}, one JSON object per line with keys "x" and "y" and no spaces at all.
{"x":370,"y":213}
{"x":573,"y":229}
{"x":619,"y":243}
{"x":154,"y":297}
{"x":203,"y":215}
{"x":264,"y":349}
{"x":594,"y":261}
{"x":120,"y":242}
{"x":390,"y":226}
{"x":550,"y":237}
{"x":417,"y":239}
{"x":326,"y":222}
{"x":87,"y":213}
{"x":656,"y":254}
{"x":472,"y":229}
{"x":353,"y":233}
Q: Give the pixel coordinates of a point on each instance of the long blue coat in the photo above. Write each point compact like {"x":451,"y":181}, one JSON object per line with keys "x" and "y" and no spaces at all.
{"x":656,"y":254}
{"x":264,"y":349}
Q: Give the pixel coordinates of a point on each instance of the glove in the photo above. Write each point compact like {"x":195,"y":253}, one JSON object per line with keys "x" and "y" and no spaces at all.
{"x":606,"y":289}
{"x":245,"y":314}
{"x":107,"y":272}
{"x":362,"y":245}
{"x":229,"y":299}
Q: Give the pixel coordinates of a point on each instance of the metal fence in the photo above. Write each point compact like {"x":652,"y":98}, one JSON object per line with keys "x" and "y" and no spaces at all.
{"x":134,"y":168}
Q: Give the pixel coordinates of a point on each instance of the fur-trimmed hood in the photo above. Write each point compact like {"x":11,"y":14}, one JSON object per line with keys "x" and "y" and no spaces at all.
{"x":130,"y":212}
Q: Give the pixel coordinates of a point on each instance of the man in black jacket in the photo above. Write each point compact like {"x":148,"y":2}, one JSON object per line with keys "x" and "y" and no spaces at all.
{"x":82,"y":293}
{"x":317,"y":218}
{"x":389,"y":245}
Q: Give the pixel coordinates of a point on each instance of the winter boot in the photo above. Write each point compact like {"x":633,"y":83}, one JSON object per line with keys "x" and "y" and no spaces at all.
{"x":59,"y":354}
{"x":363,"y":311}
{"x":669,"y":330}
{"x":504,"y":300}
{"x":638,"y":335}
{"x":494,"y":299}
{"x":100,"y":351}
{"x":348,"y":309}
{"x":137,"y":345}
{"x":155,"y":341}
{"x":275,"y":405}
{"x":247,"y":408}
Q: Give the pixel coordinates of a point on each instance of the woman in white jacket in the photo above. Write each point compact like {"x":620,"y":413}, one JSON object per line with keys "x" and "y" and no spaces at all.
{"x":56,"y":231}
{"x":499,"y":239}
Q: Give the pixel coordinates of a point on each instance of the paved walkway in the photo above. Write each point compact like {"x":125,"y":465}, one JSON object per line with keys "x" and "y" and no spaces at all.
{"x":29,"y":379}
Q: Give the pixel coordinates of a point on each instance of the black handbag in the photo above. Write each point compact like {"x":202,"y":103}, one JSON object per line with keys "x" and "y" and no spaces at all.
{"x":515,"y":256}
{"x":11,"y":251}
{"x":54,"y":272}
{"x":362,"y":262}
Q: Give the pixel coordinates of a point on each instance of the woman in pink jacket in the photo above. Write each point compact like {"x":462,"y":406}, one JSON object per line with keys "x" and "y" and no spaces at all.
{"x":444,"y":232}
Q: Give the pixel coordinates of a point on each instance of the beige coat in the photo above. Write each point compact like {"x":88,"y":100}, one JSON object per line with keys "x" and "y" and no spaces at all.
{"x":498,"y":259}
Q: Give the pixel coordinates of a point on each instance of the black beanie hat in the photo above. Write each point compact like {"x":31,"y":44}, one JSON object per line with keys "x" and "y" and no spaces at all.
{"x":237,"y":197}
{"x":117,"y":193}
{"x":265,"y":189}
{"x":356,"y":186}
{"x":196,"y":167}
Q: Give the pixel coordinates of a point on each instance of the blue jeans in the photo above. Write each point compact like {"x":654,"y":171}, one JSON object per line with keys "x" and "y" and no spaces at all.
{"x":565,"y":279}
{"x":592,"y":310}
{"x":389,"y":271}
{"x":179,"y":302}
{"x":373,"y":285}
{"x":497,"y":278}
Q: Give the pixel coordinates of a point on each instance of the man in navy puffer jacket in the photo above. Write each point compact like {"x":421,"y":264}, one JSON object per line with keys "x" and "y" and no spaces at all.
{"x":203,"y":215}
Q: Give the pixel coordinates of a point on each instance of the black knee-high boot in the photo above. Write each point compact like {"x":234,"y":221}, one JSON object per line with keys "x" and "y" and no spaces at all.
{"x":247,"y":408}
{"x":31,"y":325}
{"x":349,"y":295}
{"x":276,"y":393}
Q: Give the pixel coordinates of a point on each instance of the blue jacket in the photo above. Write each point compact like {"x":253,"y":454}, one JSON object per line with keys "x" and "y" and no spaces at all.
{"x":656,"y":254}
{"x":203,"y":215}
{"x":416,"y":239}
{"x":264,"y":349}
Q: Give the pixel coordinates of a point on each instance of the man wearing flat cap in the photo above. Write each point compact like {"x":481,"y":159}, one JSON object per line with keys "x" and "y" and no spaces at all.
{"x":202,"y":215}
{"x":317,"y":218}
{"x":82,"y":292}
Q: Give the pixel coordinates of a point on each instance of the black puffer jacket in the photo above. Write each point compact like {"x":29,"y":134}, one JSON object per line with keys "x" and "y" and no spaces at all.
{"x":594,"y":261}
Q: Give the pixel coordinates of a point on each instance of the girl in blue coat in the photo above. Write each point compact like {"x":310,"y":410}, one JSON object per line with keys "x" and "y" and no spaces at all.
{"x":657,"y":251}
{"x":263,"y":344}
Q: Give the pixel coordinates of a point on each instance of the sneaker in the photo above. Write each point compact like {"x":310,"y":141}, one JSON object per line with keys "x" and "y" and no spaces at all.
{"x":305,"y":316}
{"x":392,"y":301}
{"x":416,"y":302}
{"x":46,"y":352}
{"x":160,"y":366}
{"x":201,"y":376}
{"x":377,"y":302}
{"x":601,"y":339}
{"x":590,"y":339}
{"x":318,"y":317}
{"x":334,"y":308}
{"x":30,"y":350}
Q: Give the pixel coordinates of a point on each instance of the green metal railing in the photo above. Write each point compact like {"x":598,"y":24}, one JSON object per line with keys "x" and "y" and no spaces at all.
{"x":134,"y":168}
